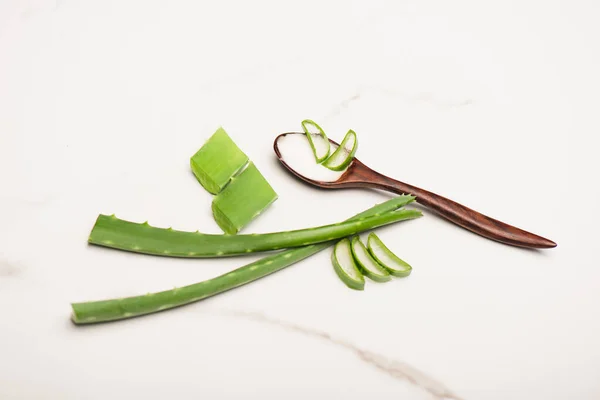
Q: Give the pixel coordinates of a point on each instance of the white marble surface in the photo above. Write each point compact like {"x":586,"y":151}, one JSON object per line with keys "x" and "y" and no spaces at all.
{"x":493,"y":104}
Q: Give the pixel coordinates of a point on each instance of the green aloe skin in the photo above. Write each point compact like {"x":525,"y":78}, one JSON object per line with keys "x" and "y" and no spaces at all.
{"x":129,"y":307}
{"x":110,"y":231}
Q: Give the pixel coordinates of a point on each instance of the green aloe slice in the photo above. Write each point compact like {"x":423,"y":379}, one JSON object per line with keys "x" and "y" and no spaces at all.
{"x":317,"y":139}
{"x":367,"y":264}
{"x":345,"y":267}
{"x":386,"y":257}
{"x":343,"y":155}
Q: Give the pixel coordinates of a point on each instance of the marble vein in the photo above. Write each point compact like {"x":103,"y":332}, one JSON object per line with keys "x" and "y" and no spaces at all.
{"x":424,"y":97}
{"x":342,"y":106}
{"x":396,"y":369}
{"x":33,"y":8}
{"x":421,"y":97}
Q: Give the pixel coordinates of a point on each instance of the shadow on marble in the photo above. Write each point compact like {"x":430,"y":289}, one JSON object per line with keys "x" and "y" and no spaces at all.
{"x":396,"y":369}
{"x":9,"y":269}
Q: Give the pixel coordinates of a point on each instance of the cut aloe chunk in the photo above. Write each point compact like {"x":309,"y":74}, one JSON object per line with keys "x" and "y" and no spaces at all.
{"x":367,"y":264}
{"x":343,"y":155}
{"x":217,"y":161}
{"x":246,"y":196}
{"x":317,"y":139}
{"x":386,"y":258}
{"x":345,"y":267}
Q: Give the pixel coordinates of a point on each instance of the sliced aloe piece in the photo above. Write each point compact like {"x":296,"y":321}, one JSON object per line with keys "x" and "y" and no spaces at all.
{"x":343,"y":155}
{"x":367,"y":264}
{"x":345,"y":267}
{"x":386,"y":258}
{"x":317,"y":139}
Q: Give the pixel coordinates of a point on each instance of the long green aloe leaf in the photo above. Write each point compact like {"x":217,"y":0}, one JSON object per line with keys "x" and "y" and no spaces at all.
{"x":129,"y":307}
{"x":113,"y":232}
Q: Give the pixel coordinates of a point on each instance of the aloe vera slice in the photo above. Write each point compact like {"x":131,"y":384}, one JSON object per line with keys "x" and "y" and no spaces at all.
{"x":345,"y":267}
{"x":246,"y":196}
{"x":135,"y":306}
{"x":386,"y":258}
{"x":217,"y":161}
{"x":318,"y":140}
{"x":343,"y":155}
{"x":367,"y":264}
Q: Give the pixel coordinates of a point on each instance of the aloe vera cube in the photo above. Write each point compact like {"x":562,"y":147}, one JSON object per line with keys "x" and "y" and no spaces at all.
{"x":246,"y":196}
{"x":217,"y":161}
{"x":384,"y":256}
{"x":345,"y":266}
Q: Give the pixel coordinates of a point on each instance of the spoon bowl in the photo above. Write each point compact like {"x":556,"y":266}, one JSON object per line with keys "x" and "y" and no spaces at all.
{"x":358,"y":175}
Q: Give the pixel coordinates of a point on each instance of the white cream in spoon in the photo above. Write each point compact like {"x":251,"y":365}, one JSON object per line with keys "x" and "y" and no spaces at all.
{"x":297,"y":153}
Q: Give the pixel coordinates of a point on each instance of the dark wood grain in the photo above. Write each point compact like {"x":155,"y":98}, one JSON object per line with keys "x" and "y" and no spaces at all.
{"x":358,"y":175}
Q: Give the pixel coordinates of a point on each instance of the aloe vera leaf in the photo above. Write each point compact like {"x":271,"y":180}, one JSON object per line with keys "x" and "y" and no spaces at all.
{"x":318,"y":140}
{"x":345,"y":267}
{"x":246,"y":196}
{"x":110,"y":231}
{"x":386,"y":257}
{"x":367,"y":264}
{"x":110,"y":310}
{"x":217,"y":161}
{"x":343,"y":155}
{"x":129,"y":307}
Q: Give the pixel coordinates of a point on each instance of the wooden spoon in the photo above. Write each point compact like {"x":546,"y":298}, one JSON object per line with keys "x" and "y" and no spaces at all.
{"x":358,"y":175}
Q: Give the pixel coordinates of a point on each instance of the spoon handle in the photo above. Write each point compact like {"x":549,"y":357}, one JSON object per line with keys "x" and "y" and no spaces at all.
{"x":457,"y":213}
